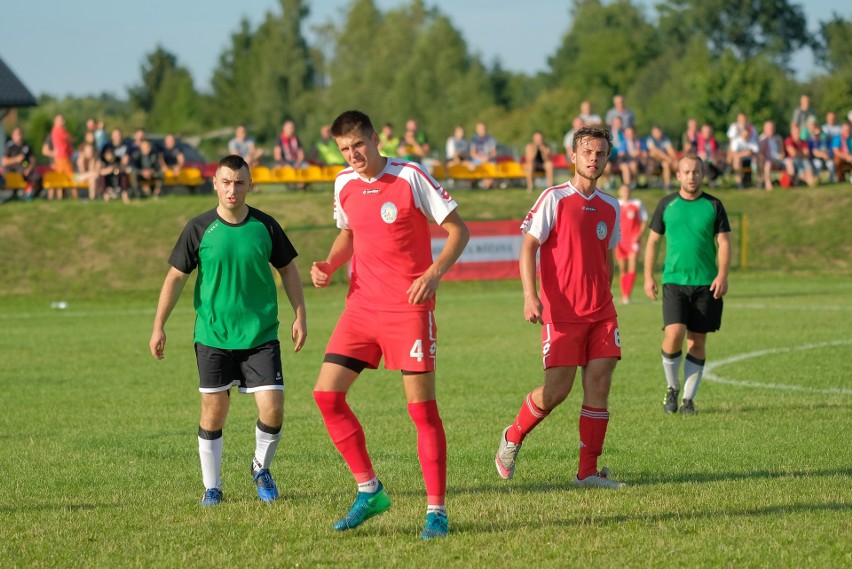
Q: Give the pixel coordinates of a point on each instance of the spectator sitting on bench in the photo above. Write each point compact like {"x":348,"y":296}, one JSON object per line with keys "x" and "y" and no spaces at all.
{"x":325,"y":151}
{"x":288,"y":149}
{"x":798,"y":161}
{"x":19,"y":157}
{"x":841,"y":148}
{"x":661,"y":155}
{"x":537,"y":160}
{"x":483,"y":150}
{"x":458,"y":150}
{"x":146,"y":164}
{"x":820,"y":149}
{"x":770,"y":154}
{"x":243,"y":145}
{"x":171,"y":158}
{"x":388,"y":141}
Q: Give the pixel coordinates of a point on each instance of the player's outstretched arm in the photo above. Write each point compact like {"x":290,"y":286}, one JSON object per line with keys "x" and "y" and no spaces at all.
{"x":425,"y":286}
{"x":169,"y":295}
{"x":341,"y":251}
{"x":532,"y":302}
{"x":650,"y":256}
{"x":719,"y":286}
{"x":293,"y":287}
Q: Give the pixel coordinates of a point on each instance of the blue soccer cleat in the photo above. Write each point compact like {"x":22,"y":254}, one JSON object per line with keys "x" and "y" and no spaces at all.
{"x":436,"y":526}
{"x":366,"y":506}
{"x":212,"y":497}
{"x":267,"y":491}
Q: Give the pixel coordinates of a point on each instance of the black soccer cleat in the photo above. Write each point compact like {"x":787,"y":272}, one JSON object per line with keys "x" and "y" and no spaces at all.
{"x":670,"y":402}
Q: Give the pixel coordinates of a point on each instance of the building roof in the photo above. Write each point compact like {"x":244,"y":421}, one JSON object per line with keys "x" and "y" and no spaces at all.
{"x":13,"y":93}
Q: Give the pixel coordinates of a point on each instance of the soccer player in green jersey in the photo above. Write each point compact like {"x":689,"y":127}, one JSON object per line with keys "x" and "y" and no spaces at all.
{"x":695,"y":277}
{"x":236,"y":325}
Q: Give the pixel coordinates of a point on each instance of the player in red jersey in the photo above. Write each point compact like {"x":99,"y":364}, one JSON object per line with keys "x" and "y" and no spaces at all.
{"x":634,"y":218}
{"x":382,"y":207}
{"x":574,"y":227}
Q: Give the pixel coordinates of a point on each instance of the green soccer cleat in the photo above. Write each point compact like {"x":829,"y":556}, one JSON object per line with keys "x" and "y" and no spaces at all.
{"x":436,"y":526}
{"x":366,"y":506}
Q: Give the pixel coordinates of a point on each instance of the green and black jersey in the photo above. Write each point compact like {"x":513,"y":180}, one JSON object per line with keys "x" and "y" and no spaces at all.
{"x":236,"y":302}
{"x":690,"y":227}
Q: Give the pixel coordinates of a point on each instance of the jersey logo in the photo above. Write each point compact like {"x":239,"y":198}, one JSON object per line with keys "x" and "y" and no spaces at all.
{"x":389,"y":212}
{"x":601,"y":230}
{"x":368,"y":192}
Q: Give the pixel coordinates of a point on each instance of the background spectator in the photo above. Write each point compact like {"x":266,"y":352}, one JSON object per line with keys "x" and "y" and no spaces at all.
{"x":18,"y":156}
{"x":483,"y":150}
{"x":537,"y":161}
{"x":620,"y":110}
{"x":661,"y":155}
{"x":770,"y":155}
{"x":388,"y":141}
{"x":841,"y":149}
{"x":62,"y":151}
{"x":710,"y":153}
{"x":88,"y":167}
{"x":820,"y":151}
{"x":802,"y":114}
{"x":171,"y":157}
{"x":288,"y":149}
{"x":798,"y":162}
{"x":243,"y":145}
{"x":325,"y":150}
{"x":587,"y":116}
{"x":689,"y":140}
{"x":146,"y":164}
{"x":458,"y":149}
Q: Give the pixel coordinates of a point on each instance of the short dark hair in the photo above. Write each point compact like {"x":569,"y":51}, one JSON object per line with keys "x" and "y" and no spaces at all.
{"x":693,"y":156}
{"x":593,"y":132}
{"x":234,"y":162}
{"x":352,"y":121}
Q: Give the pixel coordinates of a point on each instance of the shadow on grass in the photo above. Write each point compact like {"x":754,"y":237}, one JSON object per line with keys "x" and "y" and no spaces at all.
{"x":70,"y":508}
{"x":650,"y":518}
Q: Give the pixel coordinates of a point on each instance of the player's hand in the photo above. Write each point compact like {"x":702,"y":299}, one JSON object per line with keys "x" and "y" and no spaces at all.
{"x":532,"y":310}
{"x":719,"y":287}
{"x":651,"y":288}
{"x":321,"y":274}
{"x":158,"y":344}
{"x":299,"y":333}
{"x":423,"y":289}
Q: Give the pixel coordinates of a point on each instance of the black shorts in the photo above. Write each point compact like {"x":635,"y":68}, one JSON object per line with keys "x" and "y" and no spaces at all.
{"x":255,"y":369}
{"x":693,"y":306}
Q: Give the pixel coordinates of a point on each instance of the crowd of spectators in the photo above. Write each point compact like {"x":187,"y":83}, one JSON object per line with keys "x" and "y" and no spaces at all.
{"x":112,"y":166}
{"x":811,"y":154}
{"x":107,"y":166}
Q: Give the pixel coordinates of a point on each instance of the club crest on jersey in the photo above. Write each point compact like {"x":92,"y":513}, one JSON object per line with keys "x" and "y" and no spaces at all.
{"x":601,"y":230}
{"x":389,"y":212}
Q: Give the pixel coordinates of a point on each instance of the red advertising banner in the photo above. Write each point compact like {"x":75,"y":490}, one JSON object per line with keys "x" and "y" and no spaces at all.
{"x":492,"y":252}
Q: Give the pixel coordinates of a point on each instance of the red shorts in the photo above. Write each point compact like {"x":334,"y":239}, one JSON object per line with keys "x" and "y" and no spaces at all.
{"x":571,"y":344}
{"x":407,"y":340}
{"x":626,"y":248}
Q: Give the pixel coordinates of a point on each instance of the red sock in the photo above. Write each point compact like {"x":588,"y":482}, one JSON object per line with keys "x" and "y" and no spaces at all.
{"x":593,"y":423}
{"x":431,"y":449}
{"x":625,"y":290}
{"x":346,"y":433}
{"x":631,"y":278}
{"x":528,"y":417}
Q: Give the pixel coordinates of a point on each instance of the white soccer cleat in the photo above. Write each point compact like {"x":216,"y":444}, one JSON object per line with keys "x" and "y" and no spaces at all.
{"x":506,"y":454}
{"x":598,"y":480}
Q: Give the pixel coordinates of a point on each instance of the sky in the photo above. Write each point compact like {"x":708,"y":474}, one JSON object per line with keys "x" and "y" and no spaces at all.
{"x":88,"y":47}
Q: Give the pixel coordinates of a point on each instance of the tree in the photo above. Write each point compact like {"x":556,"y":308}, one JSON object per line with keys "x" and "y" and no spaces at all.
{"x":605,"y":48}
{"x":231,"y":101}
{"x":158,"y":64}
{"x":176,"y":104}
{"x":833,"y":92}
{"x":775,"y":27}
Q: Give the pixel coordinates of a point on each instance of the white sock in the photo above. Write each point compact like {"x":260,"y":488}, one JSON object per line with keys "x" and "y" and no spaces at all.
{"x":442,"y":509}
{"x":671,"y":367}
{"x":210,"y":451}
{"x":370,"y":487}
{"x":266,"y":443}
{"x":693,"y":369}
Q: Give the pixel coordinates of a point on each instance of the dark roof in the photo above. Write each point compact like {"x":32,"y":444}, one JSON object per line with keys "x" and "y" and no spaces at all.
{"x":13,"y":93}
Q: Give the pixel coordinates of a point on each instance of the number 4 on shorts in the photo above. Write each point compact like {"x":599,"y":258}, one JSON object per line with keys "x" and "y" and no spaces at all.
{"x":417,"y":350}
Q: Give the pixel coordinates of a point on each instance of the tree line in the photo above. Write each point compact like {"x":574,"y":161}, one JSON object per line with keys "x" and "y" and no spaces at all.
{"x":703,"y":59}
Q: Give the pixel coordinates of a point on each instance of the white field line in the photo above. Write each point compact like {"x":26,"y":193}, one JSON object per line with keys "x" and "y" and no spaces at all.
{"x":711,"y":376}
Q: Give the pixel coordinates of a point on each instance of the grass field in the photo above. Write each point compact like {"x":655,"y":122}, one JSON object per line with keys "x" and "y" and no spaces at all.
{"x":98,"y":453}
{"x":99,"y":466}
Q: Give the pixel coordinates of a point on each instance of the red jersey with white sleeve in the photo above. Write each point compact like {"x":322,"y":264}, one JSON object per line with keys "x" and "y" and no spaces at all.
{"x":633,"y":215}
{"x":575,"y":233}
{"x":389,"y":219}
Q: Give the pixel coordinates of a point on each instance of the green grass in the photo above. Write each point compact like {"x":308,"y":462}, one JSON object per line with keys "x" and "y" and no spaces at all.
{"x":99,"y":466}
{"x":98,"y":452}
